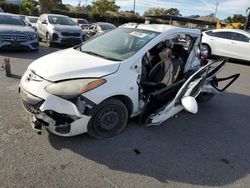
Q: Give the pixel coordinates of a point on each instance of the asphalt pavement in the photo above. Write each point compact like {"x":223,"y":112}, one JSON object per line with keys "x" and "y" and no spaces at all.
{"x":211,"y":148}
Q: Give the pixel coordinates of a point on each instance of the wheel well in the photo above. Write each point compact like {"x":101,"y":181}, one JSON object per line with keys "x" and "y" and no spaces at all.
{"x":126,"y":101}
{"x":207,"y":46}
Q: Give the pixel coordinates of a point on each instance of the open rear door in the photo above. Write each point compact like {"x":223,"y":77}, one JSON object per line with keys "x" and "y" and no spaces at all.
{"x":166,"y":102}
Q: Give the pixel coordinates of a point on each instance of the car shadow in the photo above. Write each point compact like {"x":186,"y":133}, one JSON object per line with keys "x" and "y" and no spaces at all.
{"x":210,"y":148}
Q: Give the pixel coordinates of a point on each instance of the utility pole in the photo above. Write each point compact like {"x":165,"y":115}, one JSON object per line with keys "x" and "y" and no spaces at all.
{"x":216,"y":8}
{"x":79,"y":4}
{"x":134,"y":7}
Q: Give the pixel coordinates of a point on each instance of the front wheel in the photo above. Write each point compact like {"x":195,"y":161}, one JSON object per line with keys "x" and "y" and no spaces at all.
{"x":109,"y":119}
{"x":206,"y":50}
{"x":48,"y":40}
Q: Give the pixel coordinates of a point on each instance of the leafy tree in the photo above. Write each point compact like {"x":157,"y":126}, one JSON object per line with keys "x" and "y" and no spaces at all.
{"x":28,"y":7}
{"x":101,"y":6}
{"x":162,"y":11}
{"x":236,"y":18}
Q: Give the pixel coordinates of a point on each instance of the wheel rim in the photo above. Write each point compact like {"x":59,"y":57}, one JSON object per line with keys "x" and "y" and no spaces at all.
{"x":107,"y":119}
{"x":205,"y":50}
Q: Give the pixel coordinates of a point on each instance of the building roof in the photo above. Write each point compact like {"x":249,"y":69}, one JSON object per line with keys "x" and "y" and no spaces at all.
{"x":182,"y":19}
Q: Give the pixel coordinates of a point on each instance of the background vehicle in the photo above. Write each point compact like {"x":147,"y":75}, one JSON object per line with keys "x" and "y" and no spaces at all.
{"x":232,"y":43}
{"x":23,"y":17}
{"x":32,"y":20}
{"x":235,"y":25}
{"x":81,"y":22}
{"x":15,"y":34}
{"x":59,"y":29}
{"x":87,"y":88}
{"x":98,"y":28}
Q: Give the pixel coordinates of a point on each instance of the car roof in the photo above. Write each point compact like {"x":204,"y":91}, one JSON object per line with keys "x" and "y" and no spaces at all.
{"x":80,"y":18}
{"x":56,"y":15}
{"x":8,"y":14}
{"x":231,"y":30}
{"x":161,"y":28}
{"x":103,"y":23}
{"x":31,"y":16}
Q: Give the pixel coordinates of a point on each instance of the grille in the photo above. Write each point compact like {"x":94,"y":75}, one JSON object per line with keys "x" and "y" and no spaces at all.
{"x":34,"y":109}
{"x":14,"y":37}
{"x":70,"y":34}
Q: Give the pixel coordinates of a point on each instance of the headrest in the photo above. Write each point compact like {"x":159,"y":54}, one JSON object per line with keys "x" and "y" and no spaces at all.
{"x":166,"y":54}
{"x":178,"y":50}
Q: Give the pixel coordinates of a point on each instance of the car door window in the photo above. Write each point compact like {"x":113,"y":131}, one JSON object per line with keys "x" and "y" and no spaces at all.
{"x":222,"y":34}
{"x":240,"y":37}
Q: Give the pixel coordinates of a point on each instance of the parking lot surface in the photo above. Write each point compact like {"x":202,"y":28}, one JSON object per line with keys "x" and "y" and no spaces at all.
{"x":211,"y":148}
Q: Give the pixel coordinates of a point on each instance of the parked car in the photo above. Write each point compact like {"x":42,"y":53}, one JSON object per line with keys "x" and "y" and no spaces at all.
{"x":98,"y":28}
{"x":23,"y":17}
{"x":59,"y":29}
{"x":81,"y":22}
{"x":32,"y":20}
{"x":15,"y":34}
{"x":232,"y":43}
{"x":96,"y":86}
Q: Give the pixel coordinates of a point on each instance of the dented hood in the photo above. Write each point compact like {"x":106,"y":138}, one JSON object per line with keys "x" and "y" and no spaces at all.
{"x":70,"y":64}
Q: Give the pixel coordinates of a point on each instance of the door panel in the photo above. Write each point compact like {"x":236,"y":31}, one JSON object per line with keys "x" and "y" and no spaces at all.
{"x":165,"y":103}
{"x":240,"y":50}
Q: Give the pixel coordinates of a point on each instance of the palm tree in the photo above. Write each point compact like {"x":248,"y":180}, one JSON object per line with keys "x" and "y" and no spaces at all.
{"x":45,"y":5}
{"x":28,"y":7}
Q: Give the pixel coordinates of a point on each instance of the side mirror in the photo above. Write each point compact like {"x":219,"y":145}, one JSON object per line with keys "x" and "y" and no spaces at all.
{"x":44,"y":22}
{"x":29,"y":24}
{"x":190,"y":104}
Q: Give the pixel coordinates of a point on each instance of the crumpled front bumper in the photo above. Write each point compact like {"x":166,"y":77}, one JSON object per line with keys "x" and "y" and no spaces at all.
{"x":59,"y":116}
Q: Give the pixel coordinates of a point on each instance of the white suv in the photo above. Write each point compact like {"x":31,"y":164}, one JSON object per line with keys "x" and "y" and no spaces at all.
{"x":232,"y":43}
{"x":59,"y":29}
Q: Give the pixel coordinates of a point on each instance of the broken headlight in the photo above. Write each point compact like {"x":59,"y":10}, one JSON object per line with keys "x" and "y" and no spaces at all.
{"x":73,"y":88}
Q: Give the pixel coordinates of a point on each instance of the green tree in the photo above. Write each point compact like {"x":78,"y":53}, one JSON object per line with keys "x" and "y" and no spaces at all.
{"x":162,"y":11}
{"x":236,"y":18}
{"x":101,"y":6}
{"x":28,"y":7}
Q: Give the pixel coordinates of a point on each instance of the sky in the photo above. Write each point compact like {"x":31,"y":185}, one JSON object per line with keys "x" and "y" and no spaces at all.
{"x":187,"y":7}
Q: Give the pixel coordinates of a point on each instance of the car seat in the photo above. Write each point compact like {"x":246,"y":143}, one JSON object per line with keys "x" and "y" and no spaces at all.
{"x":164,"y":73}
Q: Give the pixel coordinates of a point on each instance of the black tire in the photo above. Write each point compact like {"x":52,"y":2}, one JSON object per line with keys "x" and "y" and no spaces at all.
{"x":207,"y":49}
{"x":109,"y":119}
{"x":48,"y":40}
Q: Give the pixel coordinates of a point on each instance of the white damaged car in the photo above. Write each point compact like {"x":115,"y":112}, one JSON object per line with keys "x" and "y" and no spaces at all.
{"x":151,"y":71}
